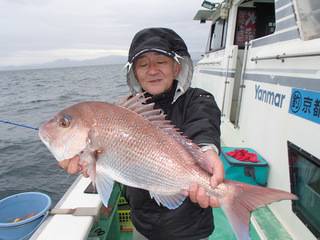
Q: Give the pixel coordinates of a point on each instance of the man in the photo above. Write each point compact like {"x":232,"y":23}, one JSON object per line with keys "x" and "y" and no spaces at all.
{"x":160,"y":65}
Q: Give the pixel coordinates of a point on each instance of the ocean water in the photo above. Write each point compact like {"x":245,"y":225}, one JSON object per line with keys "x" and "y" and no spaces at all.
{"x":33,"y":96}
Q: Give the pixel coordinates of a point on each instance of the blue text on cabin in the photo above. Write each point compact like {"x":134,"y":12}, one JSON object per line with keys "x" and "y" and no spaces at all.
{"x":305,"y":104}
{"x":269,"y":97}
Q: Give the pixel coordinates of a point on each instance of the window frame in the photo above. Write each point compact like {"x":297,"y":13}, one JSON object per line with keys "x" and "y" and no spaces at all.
{"x":222,"y":39}
{"x":293,"y":152}
{"x":304,"y":21}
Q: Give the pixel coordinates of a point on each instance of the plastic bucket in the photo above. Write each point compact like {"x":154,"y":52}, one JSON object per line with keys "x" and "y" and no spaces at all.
{"x":21,"y":214}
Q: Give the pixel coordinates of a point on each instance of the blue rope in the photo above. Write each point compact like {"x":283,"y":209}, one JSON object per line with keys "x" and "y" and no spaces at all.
{"x":19,"y":125}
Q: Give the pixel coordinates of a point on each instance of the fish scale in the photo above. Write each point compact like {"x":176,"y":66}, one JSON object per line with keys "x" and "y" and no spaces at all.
{"x":140,"y":153}
{"x":143,"y":153}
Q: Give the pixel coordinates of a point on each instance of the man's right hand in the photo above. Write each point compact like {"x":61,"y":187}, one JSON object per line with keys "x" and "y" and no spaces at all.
{"x":71,"y":165}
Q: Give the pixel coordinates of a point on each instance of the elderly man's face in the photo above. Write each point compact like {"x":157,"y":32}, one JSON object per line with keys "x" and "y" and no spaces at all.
{"x":156,"y":72}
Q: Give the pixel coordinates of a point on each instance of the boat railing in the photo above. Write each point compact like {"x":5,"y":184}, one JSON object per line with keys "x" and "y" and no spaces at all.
{"x":242,"y":86}
{"x":283,"y":56}
{"x":226,"y":82}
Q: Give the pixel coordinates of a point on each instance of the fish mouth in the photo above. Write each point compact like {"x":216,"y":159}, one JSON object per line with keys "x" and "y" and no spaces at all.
{"x":44,"y":137}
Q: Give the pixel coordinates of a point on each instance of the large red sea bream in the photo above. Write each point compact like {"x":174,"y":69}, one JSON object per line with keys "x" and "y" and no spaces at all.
{"x":139,"y":148}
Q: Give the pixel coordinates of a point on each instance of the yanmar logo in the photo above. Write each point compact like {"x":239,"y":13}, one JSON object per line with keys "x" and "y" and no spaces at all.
{"x":269,"y":97}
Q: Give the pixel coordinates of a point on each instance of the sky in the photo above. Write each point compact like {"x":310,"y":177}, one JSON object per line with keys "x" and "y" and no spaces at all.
{"x":40,"y":31}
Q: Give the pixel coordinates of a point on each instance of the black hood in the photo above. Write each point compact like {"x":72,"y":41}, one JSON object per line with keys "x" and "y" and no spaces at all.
{"x":164,"y":41}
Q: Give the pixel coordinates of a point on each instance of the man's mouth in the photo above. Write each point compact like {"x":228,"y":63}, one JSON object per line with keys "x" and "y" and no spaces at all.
{"x":155,"y":80}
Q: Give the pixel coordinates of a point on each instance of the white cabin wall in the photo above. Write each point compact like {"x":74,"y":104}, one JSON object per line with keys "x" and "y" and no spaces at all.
{"x":214,"y":62}
{"x":267,"y":128}
{"x":306,"y":67}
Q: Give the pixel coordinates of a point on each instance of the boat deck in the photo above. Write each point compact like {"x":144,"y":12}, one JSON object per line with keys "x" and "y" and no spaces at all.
{"x":263,"y":225}
{"x":268,"y":224}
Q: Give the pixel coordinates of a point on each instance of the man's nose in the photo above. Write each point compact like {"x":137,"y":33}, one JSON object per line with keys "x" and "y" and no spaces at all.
{"x":153,"y":69}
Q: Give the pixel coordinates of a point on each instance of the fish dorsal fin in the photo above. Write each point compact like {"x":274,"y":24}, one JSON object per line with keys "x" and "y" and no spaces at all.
{"x":138,"y":104}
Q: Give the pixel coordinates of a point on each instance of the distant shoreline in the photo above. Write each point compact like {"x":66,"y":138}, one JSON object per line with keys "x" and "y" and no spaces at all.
{"x":22,"y":68}
{"x":67,"y":63}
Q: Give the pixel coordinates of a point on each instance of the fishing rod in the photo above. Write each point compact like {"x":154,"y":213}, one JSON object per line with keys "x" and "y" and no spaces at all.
{"x":19,"y":125}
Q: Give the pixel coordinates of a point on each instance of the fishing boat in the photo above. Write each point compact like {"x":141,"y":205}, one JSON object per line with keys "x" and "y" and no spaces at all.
{"x":261,"y":63}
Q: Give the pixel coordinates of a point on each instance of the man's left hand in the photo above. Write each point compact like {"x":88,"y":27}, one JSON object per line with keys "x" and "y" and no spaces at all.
{"x":197,"y":193}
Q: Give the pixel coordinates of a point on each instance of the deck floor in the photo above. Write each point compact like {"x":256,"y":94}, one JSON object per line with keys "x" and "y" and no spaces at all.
{"x":223,"y":229}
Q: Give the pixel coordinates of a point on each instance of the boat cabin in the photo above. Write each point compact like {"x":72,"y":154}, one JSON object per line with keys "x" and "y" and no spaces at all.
{"x":261,"y":63}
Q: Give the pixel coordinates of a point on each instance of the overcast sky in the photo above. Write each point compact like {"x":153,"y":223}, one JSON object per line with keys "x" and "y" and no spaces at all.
{"x":39,"y":31}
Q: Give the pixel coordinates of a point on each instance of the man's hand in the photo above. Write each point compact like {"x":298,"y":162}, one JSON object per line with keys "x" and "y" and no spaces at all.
{"x":73,"y":166}
{"x":214,"y":166}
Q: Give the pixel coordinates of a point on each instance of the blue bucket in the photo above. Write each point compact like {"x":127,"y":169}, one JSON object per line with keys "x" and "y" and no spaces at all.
{"x":21,"y":214}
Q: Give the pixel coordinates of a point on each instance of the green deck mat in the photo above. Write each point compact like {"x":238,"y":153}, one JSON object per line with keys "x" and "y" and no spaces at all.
{"x":223,"y":229}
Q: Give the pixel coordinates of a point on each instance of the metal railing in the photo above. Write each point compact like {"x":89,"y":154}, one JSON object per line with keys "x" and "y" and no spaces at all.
{"x":283,"y":56}
{"x":226,"y":82}
{"x":242,"y":86}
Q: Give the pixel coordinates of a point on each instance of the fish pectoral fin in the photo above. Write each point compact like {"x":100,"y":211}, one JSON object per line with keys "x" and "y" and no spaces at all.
{"x":170,"y":201}
{"x":93,"y":138}
{"x":104,"y":186}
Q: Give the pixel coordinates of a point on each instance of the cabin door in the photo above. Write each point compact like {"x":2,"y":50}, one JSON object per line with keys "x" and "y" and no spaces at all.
{"x":215,"y":72}
{"x":250,"y":20}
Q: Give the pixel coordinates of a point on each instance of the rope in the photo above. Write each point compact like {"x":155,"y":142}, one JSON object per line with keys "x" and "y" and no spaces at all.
{"x":19,"y":125}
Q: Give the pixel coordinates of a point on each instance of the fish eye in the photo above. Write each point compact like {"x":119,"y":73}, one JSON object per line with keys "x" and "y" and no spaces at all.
{"x":65,"y":121}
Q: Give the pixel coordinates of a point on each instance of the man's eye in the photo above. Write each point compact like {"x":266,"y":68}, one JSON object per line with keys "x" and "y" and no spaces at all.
{"x":142,"y":64}
{"x":162,"y":61}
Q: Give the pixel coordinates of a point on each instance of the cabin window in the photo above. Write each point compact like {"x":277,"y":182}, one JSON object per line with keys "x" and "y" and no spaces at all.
{"x":305,"y":183}
{"x":218,"y":33}
{"x":309,"y":15}
{"x":254,"y":20}
{"x":246,"y":26}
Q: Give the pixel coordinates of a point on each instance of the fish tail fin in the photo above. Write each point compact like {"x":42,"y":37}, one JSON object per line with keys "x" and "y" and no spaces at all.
{"x":242,"y":199}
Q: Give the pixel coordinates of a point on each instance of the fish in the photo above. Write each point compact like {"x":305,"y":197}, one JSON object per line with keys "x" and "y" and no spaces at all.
{"x":131,"y":142}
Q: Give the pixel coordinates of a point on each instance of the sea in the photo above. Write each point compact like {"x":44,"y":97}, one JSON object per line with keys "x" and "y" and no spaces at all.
{"x":30,"y":97}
